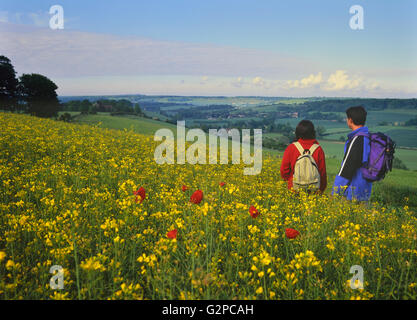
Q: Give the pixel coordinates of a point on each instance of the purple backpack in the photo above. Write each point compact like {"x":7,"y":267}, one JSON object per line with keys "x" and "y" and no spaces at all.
{"x":381,"y":156}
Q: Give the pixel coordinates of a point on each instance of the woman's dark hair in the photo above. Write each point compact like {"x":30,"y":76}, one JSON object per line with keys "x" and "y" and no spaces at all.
{"x":305,"y":130}
{"x":357,"y":114}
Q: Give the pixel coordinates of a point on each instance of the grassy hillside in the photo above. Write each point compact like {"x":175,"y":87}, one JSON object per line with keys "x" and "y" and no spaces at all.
{"x":94,"y":201}
{"x":395,"y":189}
{"x":133,"y":123}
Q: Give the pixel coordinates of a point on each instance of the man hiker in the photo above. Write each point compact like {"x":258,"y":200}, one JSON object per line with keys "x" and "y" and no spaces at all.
{"x":349,"y":182}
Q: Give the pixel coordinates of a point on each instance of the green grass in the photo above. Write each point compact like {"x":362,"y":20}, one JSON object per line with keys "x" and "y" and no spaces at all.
{"x":72,"y":113}
{"x":404,"y":137}
{"x":409,"y":157}
{"x":136,"y":124}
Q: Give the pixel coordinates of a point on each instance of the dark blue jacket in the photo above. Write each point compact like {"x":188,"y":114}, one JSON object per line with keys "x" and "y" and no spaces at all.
{"x":349,"y":181}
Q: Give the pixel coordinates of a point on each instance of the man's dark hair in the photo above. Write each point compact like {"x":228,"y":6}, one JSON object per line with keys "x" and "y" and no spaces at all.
{"x":305,"y":130}
{"x":357,"y":114}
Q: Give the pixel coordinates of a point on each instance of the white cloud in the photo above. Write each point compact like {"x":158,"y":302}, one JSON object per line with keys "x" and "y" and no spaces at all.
{"x":238,"y":83}
{"x":337,"y":82}
{"x":307,"y":82}
{"x":340,"y":81}
{"x":258,"y":81}
{"x":262,"y":83}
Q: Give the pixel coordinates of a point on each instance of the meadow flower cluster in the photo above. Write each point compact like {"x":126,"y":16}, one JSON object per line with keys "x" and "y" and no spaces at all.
{"x":94,"y":201}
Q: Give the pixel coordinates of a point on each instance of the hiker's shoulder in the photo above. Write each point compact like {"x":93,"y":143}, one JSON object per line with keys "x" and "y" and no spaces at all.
{"x":290,"y":148}
{"x":360,"y":132}
{"x":291,"y":145}
{"x":317,"y":148}
{"x":357,"y":141}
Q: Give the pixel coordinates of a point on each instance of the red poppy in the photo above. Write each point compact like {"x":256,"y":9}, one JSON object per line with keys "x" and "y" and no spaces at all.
{"x":140,"y":192}
{"x":222,"y":184}
{"x":253,"y":212}
{"x":172,"y":234}
{"x":291,"y":233}
{"x":184,"y":187}
{"x":196,"y":197}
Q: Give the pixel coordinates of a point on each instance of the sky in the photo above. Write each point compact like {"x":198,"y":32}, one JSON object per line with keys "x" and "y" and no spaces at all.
{"x":229,"y":47}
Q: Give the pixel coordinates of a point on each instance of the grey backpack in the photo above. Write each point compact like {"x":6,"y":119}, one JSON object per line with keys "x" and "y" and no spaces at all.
{"x":306,"y":173}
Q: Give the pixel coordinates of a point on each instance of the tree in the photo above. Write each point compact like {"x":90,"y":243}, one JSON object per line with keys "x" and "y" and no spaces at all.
{"x":320,"y":131}
{"x":65,"y":117}
{"x":86,"y":106}
{"x":411,"y":122}
{"x":137,"y":109}
{"x":398,"y":164}
{"x":92,"y":109}
{"x":8,"y":85}
{"x":39,"y":94}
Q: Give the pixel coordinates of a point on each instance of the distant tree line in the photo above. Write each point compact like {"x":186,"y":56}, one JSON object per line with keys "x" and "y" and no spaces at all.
{"x":85,"y":106}
{"x":155,"y":106}
{"x":278,"y":143}
{"x":340,"y":105}
{"x":398,"y":164}
{"x":30,"y":93}
{"x":36,"y":94}
{"x":199,"y":112}
{"x":411,"y":122}
{"x":322,"y":116}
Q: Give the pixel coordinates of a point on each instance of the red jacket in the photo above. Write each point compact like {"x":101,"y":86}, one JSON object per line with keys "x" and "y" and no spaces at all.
{"x":290,"y":157}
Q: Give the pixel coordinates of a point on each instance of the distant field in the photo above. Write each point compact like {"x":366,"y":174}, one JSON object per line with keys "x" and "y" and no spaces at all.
{"x":388,"y":115}
{"x":403,"y":136}
{"x":332,"y":149}
{"x":375,"y":117}
{"x":273,"y":106}
{"x":324,"y":123}
{"x":203,"y":101}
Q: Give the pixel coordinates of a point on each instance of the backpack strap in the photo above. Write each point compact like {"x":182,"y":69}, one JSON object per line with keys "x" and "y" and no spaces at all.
{"x":313,"y":148}
{"x":362,"y":134}
{"x":299,"y":147}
